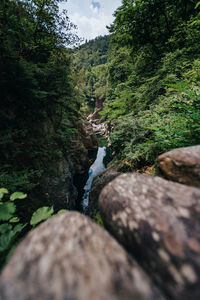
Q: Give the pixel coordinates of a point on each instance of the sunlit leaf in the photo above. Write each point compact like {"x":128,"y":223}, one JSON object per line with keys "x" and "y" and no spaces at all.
{"x":61,"y":211}
{"x":2,"y":192}
{"x":14,"y":220}
{"x":17,"y":195}
{"x":197,"y":5}
{"x":41,"y":214}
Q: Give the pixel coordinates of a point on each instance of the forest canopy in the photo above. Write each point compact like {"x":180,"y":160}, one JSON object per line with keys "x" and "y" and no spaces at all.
{"x":148,"y":78}
{"x":39,"y":112}
{"x":38,"y":101}
{"x":153,"y":79}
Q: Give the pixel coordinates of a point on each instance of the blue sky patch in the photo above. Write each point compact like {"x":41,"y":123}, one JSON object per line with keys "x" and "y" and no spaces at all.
{"x":96,"y":5}
{"x":91,"y":16}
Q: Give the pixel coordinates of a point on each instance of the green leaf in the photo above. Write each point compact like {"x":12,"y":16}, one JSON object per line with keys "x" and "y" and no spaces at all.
{"x":61,"y":211}
{"x":2,"y":192}
{"x":18,"y":228}
{"x":6,"y":211}
{"x":7,"y":238}
{"x":5,"y":228}
{"x":197,"y":5}
{"x":17,"y":195}
{"x":14,"y":220}
{"x":41,"y":214}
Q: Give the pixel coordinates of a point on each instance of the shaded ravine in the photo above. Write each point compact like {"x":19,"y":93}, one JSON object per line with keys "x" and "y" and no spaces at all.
{"x":96,"y":168}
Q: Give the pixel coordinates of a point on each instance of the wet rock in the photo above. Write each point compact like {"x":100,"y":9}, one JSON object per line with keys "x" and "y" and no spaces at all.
{"x":98,"y":184}
{"x":99,"y":129}
{"x":181,"y":165}
{"x":58,"y":187}
{"x":87,"y":135}
{"x":158,"y":221}
{"x":98,"y":107}
{"x":69,"y":257}
{"x":84,"y":143}
{"x":80,"y":158}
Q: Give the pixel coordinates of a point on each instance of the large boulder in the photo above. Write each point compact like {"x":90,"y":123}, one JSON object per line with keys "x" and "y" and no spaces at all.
{"x":158,"y":221}
{"x":70,"y":257}
{"x":57,"y":187}
{"x":181,"y":165}
{"x":98,"y":184}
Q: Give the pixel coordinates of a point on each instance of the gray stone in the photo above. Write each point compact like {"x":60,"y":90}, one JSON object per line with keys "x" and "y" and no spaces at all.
{"x":70,"y":257}
{"x":58,"y":187}
{"x":87,"y":135}
{"x":98,"y":184}
{"x":158,"y":221}
{"x":181,"y":165}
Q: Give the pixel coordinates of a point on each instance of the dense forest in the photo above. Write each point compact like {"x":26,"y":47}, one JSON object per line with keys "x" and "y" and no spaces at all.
{"x":36,"y":87}
{"x":150,"y":79}
{"x":39,"y":115}
{"x":90,"y":63}
{"x":146,"y":73}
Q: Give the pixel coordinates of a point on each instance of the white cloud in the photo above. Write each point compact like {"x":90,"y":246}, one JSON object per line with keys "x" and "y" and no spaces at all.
{"x":91,"y":27}
{"x":94,"y":9}
{"x":91,"y":16}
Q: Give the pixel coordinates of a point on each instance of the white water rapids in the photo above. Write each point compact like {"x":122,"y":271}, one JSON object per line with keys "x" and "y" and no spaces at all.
{"x":96,"y":168}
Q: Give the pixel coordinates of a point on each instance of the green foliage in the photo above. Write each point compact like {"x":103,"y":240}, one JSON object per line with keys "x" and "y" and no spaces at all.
{"x":18,"y":195}
{"x":39,"y":103}
{"x":2,"y":192}
{"x":9,"y":235}
{"x":174,"y":122}
{"x":61,"y":211}
{"x":90,"y":61}
{"x":97,"y":219}
{"x":41,"y":214}
{"x":10,"y":228}
{"x":152,"y":95}
{"x":102,"y":142}
{"x":6,"y":211}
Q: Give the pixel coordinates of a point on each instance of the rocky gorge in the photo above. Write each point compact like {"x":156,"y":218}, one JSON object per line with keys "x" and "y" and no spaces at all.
{"x":100,"y":151}
{"x":154,"y":219}
{"x":60,"y":187}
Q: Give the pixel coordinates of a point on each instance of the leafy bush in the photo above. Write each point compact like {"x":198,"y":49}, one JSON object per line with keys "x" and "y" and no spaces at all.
{"x":11,"y":228}
{"x":174,"y":122}
{"x":155,"y":106}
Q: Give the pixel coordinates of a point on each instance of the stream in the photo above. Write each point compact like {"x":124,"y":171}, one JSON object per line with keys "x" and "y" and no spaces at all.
{"x":96,"y":168}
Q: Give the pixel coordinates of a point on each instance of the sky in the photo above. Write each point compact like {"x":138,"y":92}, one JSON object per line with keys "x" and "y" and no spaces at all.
{"x":91,"y":16}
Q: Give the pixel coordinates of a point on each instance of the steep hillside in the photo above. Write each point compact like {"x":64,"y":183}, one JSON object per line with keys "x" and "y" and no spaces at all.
{"x":41,"y":132}
{"x":148,"y":80}
{"x":90,"y":61}
{"x":153,"y":87}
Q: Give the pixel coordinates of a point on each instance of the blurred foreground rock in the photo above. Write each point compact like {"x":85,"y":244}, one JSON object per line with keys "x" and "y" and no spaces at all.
{"x":181,"y":165}
{"x":69,"y":257}
{"x":158,"y":221}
